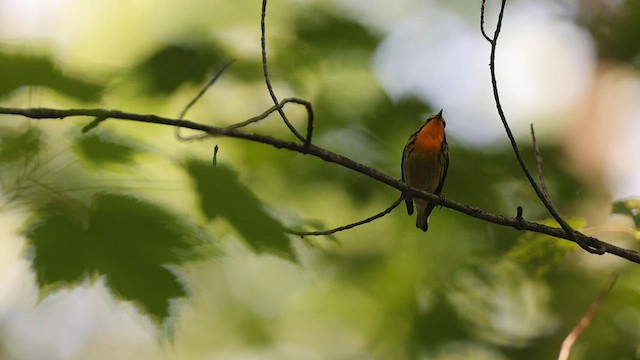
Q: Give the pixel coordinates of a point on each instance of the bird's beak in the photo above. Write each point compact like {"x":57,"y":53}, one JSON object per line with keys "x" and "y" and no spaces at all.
{"x":440,"y":113}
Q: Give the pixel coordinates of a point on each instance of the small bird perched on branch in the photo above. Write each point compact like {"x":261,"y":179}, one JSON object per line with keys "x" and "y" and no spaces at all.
{"x":425,"y":160}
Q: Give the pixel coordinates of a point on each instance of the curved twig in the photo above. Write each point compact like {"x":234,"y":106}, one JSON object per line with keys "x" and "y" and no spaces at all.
{"x":315,"y":151}
{"x":384,"y":212}
{"x":588,"y":245}
{"x":482,"y":23}
{"x":265,"y":70}
{"x":269,"y":111}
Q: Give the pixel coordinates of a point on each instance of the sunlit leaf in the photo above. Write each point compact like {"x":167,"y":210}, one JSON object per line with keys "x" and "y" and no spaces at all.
{"x":101,"y":148}
{"x":23,"y":70}
{"x":16,"y":144}
{"x":629,"y":207}
{"x":223,"y":195}
{"x":132,"y":243}
{"x":541,"y":253}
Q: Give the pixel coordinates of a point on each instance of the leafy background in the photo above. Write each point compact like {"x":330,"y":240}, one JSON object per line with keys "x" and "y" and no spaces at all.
{"x":124,"y":242}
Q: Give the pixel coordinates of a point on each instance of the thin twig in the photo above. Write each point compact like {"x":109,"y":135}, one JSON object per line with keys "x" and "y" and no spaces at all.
{"x":205,"y":88}
{"x":545,"y":194}
{"x":567,"y":344}
{"x":265,"y":70}
{"x":539,"y":164}
{"x":482,"y":23}
{"x":93,"y":124}
{"x":315,"y":151}
{"x":215,"y":155}
{"x":384,"y":212}
{"x":588,"y":246}
{"x":195,"y":99}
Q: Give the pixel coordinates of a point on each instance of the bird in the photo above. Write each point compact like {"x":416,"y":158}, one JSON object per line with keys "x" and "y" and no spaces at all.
{"x":425,"y":160}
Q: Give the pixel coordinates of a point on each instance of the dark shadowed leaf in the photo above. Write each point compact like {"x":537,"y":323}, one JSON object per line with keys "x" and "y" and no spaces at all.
{"x":616,"y":32}
{"x":17,"y":144}
{"x":171,"y":66}
{"x":323,"y":31}
{"x":132,"y":243}
{"x":223,"y":195}
{"x":23,"y":70}
{"x":103,"y":148}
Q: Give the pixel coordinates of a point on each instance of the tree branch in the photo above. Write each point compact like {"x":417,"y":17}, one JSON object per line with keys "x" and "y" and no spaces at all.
{"x":586,"y":244}
{"x":318,"y":152}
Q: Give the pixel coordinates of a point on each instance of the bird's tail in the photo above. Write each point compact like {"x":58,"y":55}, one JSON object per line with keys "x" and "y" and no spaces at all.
{"x":422,"y":219}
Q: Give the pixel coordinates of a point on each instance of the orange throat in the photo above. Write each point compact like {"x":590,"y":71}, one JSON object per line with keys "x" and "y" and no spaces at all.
{"x":430,"y":137}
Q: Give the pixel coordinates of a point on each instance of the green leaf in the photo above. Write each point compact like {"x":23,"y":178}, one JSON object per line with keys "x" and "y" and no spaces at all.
{"x":223,"y":195}
{"x":101,"y":148}
{"x":629,"y":207}
{"x":171,"y":66}
{"x":539,"y":252}
{"x":23,"y":70}
{"x":17,"y":144}
{"x":132,"y":243}
{"x":616,"y":32}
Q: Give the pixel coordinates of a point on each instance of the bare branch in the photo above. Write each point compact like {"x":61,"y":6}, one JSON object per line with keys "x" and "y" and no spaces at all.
{"x":567,"y":344}
{"x":349,"y":226}
{"x":318,"y":152}
{"x":586,"y":245}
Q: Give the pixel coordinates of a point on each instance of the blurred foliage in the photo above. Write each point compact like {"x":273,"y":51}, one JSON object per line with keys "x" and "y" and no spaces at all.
{"x":617,"y":30}
{"x":135,"y":245}
{"x":629,"y":207}
{"x":465,"y":290}
{"x":20,"y":70}
{"x":540,"y":253}
{"x":18,"y":144}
